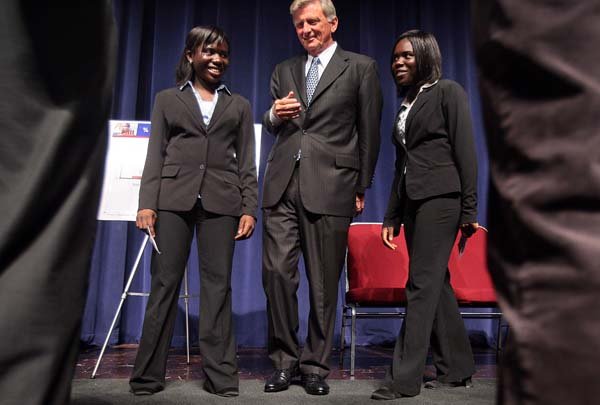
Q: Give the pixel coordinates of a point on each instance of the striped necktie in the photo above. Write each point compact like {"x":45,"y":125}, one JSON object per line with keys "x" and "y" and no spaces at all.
{"x":312,"y":78}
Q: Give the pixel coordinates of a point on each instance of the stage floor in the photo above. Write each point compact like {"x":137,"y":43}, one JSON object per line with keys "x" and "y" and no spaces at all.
{"x":371,"y":362}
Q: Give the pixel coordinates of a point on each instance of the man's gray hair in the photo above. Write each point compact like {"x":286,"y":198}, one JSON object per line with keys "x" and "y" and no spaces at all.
{"x":326,"y":5}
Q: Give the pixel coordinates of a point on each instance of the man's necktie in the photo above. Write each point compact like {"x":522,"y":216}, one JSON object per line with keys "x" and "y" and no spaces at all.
{"x":312,"y":78}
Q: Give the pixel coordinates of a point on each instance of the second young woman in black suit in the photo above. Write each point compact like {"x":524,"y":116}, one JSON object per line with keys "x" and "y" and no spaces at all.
{"x":200,"y":174}
{"x":433,"y":195}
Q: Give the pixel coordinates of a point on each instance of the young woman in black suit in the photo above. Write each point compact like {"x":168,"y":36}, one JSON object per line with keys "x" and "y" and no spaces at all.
{"x":200,"y":174}
{"x":434,"y":194}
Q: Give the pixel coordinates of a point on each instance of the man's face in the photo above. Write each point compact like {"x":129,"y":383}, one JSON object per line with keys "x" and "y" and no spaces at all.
{"x":313,"y":29}
{"x":210,"y":62}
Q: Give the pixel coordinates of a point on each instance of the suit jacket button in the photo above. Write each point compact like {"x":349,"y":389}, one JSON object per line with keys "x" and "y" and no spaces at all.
{"x":202,"y":166}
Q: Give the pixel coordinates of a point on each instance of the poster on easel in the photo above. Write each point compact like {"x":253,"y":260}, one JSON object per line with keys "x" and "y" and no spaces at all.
{"x":127,"y":145}
{"x":125,"y":158}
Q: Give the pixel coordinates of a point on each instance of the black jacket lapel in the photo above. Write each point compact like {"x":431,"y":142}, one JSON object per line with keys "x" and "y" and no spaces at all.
{"x":300,"y":79}
{"x":222,"y":103}
{"x":188,"y":98}
{"x":334,"y":69}
{"x":422,"y":99}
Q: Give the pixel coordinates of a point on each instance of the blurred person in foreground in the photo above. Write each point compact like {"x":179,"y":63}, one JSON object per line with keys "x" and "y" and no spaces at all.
{"x":55,"y":92}
{"x":540,"y":85}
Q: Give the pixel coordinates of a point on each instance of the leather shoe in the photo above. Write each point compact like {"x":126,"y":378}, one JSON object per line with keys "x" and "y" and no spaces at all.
{"x":142,"y":391}
{"x":436,"y":384}
{"x":384,"y":393}
{"x":224,"y":392}
{"x":228,"y":392}
{"x":314,"y":384}
{"x":280,"y":379}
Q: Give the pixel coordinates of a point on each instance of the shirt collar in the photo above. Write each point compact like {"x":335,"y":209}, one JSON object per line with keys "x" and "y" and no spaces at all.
{"x":423,"y":87}
{"x":325,"y":56}
{"x":428,"y":85}
{"x":221,"y":87}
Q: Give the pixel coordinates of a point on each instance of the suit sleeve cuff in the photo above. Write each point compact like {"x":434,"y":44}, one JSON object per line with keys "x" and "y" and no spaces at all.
{"x":468,"y":219}
{"x":250,"y":212}
{"x":395,"y":223}
{"x":275,"y":120}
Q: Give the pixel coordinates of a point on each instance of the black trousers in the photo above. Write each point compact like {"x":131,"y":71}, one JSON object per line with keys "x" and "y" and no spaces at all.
{"x":288,"y":230}
{"x":53,"y":114}
{"x":543,"y":136}
{"x":432,"y":314}
{"x":215,"y":237}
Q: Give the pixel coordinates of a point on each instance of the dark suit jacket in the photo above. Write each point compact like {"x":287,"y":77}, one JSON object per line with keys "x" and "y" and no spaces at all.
{"x":338,"y":134}
{"x":439,"y":154}
{"x":186,"y":158}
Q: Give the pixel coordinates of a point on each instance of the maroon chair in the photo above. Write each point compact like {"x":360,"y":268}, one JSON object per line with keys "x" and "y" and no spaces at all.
{"x":469,"y":274}
{"x":376,"y":278}
{"x":471,"y":282}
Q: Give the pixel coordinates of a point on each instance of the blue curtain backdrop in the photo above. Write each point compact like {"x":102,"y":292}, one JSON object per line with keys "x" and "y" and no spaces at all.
{"x":151,"y":37}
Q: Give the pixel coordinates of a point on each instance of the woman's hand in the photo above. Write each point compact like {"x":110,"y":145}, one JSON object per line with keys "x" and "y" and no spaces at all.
{"x":145,"y":220}
{"x":387,"y":234}
{"x":467,"y":230}
{"x":245,"y":227}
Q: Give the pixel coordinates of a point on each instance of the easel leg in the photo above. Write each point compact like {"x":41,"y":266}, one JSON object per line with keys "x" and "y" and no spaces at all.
{"x":123,"y":296}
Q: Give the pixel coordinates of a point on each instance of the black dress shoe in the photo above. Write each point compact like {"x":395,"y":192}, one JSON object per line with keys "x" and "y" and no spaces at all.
{"x":314,"y":384}
{"x":225,"y":392}
{"x":384,"y":393}
{"x":143,"y":391}
{"x":436,"y":384}
{"x":280,"y":379}
{"x":228,"y":392}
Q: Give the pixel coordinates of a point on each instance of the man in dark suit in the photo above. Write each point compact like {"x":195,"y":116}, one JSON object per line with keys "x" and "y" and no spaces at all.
{"x":540,"y":85}
{"x":56,"y":89}
{"x":326,"y":118}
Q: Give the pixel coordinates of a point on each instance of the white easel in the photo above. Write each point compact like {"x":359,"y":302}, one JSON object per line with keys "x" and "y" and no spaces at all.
{"x":126,"y":292}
